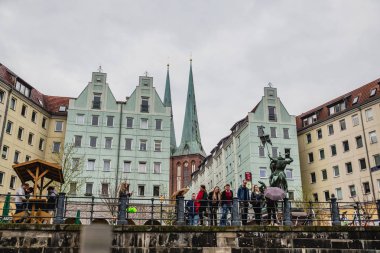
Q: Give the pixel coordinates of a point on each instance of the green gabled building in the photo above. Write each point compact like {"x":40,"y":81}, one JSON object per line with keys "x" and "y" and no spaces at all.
{"x":120,"y":141}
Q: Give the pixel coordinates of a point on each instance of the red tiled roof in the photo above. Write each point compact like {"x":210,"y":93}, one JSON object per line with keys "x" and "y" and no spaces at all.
{"x":49,"y":103}
{"x":362,"y":92}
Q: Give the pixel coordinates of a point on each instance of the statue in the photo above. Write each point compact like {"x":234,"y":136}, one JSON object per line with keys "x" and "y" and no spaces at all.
{"x":277,"y":165}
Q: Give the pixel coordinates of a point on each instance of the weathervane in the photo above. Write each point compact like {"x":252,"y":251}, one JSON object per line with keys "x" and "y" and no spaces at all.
{"x":270,"y":85}
{"x":146,"y":73}
{"x":100,"y":69}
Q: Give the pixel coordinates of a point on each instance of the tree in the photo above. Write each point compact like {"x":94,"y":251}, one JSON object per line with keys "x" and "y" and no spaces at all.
{"x":72,"y":167}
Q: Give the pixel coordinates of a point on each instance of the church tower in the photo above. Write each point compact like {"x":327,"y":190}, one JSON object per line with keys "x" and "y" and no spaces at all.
{"x":168,"y":103}
{"x":189,"y":155}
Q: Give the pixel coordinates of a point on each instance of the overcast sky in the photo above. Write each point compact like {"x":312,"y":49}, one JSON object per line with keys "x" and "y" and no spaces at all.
{"x":312,"y":51}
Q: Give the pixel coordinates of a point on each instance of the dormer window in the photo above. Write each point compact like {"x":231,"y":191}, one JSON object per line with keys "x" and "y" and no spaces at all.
{"x":356,"y":99}
{"x":373,"y":92}
{"x":40,"y":101}
{"x":341,"y":106}
{"x":62,"y":108}
{"x":309,"y":120}
{"x":97,"y":101}
{"x":23,"y":89}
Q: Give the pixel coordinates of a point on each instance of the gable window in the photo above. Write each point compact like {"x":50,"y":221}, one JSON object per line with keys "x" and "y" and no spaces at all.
{"x":129,"y":122}
{"x":372,"y":137}
{"x":20,"y":133}
{"x":23,"y":110}
{"x":8,"y":129}
{"x":355,"y":120}
{"x":313,"y":177}
{"x":308,"y":138}
{"x":349,"y":168}
{"x":319,"y":134}
{"x":286,"y":133}
{"x":56,"y":147}
{"x":108,"y":142}
{"x":157,"y":146}
{"x":158,"y":124}
{"x":128,"y":144}
{"x":95,"y":120}
{"x":143,"y":145}
{"x":80,"y":119}
{"x":77,"y":141}
{"x":34,"y":116}
{"x":331,"y":129}
{"x":359,"y":141}
{"x":59,"y":126}
{"x":144,"y":123}
{"x":142,"y":167}
{"x":30,"y":138}
{"x":41,"y":144}
{"x":127,"y":166}
{"x":333,"y":150}
{"x":156,"y":167}
{"x":12,"y":104}
{"x":106,"y":165}
{"x":346,"y":146}
{"x":369,"y":114}
{"x":272,"y":116}
{"x":144,"y":104}
{"x":93,"y":140}
{"x":336,"y":171}
{"x":362,"y":164}
{"x":110,"y":121}
{"x":96,"y":102}
{"x":342,"y":124}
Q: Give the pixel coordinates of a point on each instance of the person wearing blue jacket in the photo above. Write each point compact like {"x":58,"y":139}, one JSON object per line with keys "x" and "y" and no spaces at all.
{"x":192,"y":211}
{"x":243,"y":196}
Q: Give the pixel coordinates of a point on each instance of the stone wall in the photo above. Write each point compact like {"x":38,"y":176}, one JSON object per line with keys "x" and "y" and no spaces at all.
{"x":167,"y":239}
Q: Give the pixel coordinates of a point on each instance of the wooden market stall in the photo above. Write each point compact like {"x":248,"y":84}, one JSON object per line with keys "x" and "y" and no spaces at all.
{"x":41,"y":174}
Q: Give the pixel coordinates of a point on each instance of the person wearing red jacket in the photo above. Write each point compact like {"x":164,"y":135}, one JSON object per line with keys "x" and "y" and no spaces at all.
{"x":201,"y":202}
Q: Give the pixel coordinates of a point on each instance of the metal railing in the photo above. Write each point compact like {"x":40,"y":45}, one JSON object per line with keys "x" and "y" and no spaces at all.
{"x":126,"y":210}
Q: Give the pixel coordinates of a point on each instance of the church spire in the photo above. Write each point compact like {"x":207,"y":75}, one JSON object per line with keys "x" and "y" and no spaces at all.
{"x":168,"y":103}
{"x":191,"y":137}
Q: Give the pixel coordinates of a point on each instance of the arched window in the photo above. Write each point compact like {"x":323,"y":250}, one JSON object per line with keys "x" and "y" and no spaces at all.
{"x":179,"y":176}
{"x":192,"y":166}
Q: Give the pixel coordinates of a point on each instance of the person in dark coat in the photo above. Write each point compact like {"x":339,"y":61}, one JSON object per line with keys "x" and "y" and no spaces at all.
{"x":257,"y":200}
{"x":243,"y":196}
{"x":192,"y":214}
{"x":214,"y":198}
{"x":226,"y":197}
{"x":51,"y":198}
{"x":271,"y":209}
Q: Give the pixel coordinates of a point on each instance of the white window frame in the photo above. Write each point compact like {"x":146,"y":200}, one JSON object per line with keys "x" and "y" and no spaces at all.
{"x":129,"y":163}
{"x":142,"y":123}
{"x":91,"y":162}
{"x":57,"y":123}
{"x":372,"y":137}
{"x":54,"y":148}
{"x":141,"y":168}
{"x":154,"y":167}
{"x":107,"y":165}
{"x":369,"y":114}
{"x":80,"y":119}
{"x":108,"y":140}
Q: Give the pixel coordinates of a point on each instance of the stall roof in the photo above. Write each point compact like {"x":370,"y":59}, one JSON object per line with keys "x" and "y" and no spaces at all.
{"x":54,"y":170}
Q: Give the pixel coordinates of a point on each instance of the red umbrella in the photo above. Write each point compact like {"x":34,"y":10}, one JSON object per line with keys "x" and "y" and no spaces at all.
{"x":274,"y":193}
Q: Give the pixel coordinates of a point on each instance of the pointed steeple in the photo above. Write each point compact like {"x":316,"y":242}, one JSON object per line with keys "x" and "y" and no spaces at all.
{"x":168,"y":103}
{"x":191,"y":137}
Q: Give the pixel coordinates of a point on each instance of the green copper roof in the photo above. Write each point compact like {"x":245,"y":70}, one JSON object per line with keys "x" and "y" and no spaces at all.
{"x":168,"y":103}
{"x":191,"y":137}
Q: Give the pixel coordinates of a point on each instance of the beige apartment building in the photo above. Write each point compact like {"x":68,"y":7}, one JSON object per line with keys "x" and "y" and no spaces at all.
{"x":339,"y":147}
{"x":32,"y":126}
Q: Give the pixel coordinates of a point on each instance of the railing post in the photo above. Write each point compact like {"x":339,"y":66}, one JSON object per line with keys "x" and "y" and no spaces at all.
{"x":287,"y":214}
{"x":60,"y":209}
{"x":334,"y":212}
{"x":378,"y":209}
{"x":92,"y":209}
{"x":181,"y":211}
{"x":235,"y":212}
{"x":122,"y":212}
{"x":152,"y":211}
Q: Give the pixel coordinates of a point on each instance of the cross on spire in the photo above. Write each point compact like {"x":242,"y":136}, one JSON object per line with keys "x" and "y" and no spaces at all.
{"x":100,"y":69}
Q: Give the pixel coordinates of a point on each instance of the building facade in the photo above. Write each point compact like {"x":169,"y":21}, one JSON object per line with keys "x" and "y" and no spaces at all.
{"x":241,"y":152}
{"x":339,"y":148}
{"x":32,"y":126}
{"x":119,"y":141}
{"x":189,"y":154}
